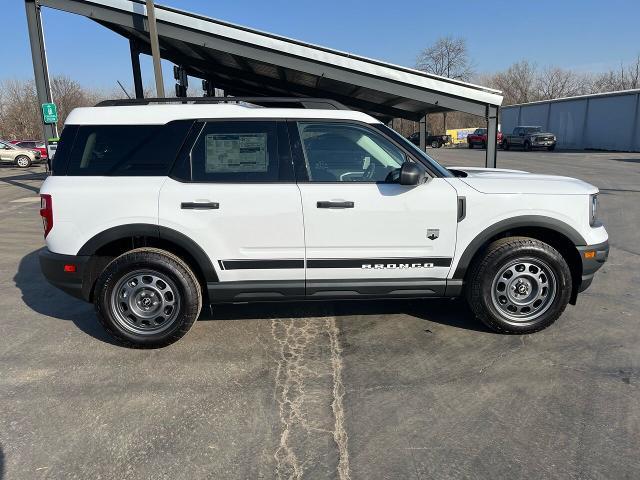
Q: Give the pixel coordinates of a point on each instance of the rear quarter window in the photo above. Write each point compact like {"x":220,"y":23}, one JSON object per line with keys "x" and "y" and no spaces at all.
{"x":125,"y":150}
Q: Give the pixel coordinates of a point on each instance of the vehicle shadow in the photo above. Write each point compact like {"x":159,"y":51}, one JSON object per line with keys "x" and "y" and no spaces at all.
{"x":18,"y":180}
{"x":453,"y":313}
{"x":45,"y":299}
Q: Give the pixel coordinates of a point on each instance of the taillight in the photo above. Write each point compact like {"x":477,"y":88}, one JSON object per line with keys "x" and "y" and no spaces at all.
{"x":46,"y":212}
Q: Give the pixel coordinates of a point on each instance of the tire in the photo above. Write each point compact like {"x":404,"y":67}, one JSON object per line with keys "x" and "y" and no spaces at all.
{"x":492,"y":294}
{"x":527,"y":146}
{"x":505,"y":145}
{"x":165,"y":298}
{"x":22,"y":161}
{"x":551,"y":148}
{"x":435,"y":144}
{"x":483,"y":145}
{"x":470,"y":145}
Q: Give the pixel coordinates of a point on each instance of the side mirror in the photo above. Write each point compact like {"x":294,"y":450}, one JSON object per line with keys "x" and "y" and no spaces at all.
{"x":410,"y":174}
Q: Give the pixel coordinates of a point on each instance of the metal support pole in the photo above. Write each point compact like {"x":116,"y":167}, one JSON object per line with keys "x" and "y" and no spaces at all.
{"x":423,"y":133}
{"x":155,"y":48}
{"x":39,"y":58}
{"x":492,"y":136}
{"x":135,"y":68}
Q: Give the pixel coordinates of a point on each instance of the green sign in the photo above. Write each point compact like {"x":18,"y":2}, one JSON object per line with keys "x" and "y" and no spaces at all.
{"x":49,"y":113}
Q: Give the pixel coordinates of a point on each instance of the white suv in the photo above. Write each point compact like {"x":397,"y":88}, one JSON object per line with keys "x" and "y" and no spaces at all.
{"x":154,"y":209}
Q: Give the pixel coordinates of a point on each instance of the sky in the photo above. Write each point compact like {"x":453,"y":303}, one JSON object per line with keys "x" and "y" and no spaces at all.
{"x":585,"y":35}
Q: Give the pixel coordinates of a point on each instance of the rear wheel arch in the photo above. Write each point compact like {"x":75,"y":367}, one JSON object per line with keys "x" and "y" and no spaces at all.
{"x":559,"y":235}
{"x":111,"y":243}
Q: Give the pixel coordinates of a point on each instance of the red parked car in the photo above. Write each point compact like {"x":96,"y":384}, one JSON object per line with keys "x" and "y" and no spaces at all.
{"x":479,"y":137}
{"x":36,"y":145}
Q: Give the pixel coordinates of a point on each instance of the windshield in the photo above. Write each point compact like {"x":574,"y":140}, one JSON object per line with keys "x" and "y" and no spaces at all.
{"x":431,"y":163}
{"x":480,"y":131}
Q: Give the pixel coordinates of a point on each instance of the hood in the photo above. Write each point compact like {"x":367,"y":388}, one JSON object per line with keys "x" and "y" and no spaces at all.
{"x":497,"y":180}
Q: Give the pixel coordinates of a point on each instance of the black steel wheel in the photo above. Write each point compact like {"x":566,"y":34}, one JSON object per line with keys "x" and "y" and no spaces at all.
{"x":147,"y":298}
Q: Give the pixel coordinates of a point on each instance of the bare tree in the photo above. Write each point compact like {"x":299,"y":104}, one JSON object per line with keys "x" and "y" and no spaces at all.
{"x":20,"y":114}
{"x":517,"y":83}
{"x":555,"y":82}
{"x":448,"y":57}
{"x":625,"y":78}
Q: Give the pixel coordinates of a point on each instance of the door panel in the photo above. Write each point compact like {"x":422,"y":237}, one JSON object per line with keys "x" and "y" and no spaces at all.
{"x":256,"y":233}
{"x":239,"y":202}
{"x":386,"y":233}
{"x":360,"y":225}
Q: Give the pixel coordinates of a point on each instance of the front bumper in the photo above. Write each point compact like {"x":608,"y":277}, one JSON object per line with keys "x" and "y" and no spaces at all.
{"x":592,"y":262}
{"x":77,"y":283}
{"x":543,"y":144}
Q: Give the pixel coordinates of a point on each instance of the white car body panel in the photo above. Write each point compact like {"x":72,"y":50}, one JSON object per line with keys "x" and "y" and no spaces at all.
{"x":388,"y":221}
{"x":163,"y":113}
{"x":254,"y":222}
{"x":83,"y":209}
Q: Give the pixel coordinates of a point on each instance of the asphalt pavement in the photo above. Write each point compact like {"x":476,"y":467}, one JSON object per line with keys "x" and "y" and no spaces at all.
{"x":358,"y":390}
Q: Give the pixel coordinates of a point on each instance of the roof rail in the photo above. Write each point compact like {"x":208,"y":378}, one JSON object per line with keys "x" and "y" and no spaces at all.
{"x":282,"y":102}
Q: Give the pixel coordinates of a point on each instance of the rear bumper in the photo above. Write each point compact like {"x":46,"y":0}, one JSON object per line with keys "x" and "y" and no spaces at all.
{"x":76,"y":283}
{"x":591,"y":265}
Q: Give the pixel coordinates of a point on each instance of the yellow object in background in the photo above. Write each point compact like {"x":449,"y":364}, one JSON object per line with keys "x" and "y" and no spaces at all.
{"x":459,"y":135}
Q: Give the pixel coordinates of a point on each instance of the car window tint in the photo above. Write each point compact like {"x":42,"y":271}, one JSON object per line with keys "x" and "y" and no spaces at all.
{"x":340,"y":152}
{"x":126,"y":150}
{"x":237,"y":152}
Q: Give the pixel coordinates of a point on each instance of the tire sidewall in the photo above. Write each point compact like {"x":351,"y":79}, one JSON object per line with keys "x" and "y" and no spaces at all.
{"x":27,"y":165}
{"x":123,"y":266}
{"x":555,"y":262}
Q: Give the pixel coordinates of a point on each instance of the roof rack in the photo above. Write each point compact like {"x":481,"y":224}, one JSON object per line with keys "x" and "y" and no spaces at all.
{"x":282,"y":102}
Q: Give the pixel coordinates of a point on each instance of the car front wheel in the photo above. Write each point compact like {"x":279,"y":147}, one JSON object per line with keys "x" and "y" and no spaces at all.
{"x":519,"y":285}
{"x":147,"y":298}
{"x":435,"y":144}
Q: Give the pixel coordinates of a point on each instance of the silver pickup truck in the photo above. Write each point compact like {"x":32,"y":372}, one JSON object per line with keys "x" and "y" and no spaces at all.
{"x":528,"y":138}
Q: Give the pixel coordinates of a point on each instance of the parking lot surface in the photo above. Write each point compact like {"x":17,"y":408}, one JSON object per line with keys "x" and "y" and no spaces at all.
{"x":360,"y":390}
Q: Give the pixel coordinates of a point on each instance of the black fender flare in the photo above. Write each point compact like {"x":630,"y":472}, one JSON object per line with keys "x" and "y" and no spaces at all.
{"x":511,"y":223}
{"x":154,"y":231}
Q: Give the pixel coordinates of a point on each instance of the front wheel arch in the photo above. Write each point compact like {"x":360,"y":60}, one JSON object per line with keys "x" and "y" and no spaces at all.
{"x":559,"y":235}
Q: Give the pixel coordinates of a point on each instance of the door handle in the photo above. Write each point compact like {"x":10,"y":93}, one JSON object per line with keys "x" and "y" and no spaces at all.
{"x":200,"y":205}
{"x":328,"y":204}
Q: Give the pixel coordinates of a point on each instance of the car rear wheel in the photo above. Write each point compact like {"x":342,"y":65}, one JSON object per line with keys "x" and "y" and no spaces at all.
{"x":505,"y":145}
{"x":435,"y":144}
{"x":22,"y":161}
{"x":527,"y":146}
{"x":470,"y":144}
{"x":519,"y":285}
{"x":147,"y":298}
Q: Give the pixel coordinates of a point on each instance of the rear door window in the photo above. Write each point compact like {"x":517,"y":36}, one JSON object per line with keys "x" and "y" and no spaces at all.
{"x":241,"y":152}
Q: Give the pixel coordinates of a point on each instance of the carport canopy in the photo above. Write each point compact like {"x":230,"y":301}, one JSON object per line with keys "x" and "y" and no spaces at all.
{"x":248,"y":62}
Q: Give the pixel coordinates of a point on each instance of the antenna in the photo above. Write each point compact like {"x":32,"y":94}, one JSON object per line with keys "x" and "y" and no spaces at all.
{"x":125,"y":92}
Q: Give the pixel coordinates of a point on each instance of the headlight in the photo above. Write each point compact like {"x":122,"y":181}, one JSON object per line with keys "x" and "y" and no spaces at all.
{"x":593,"y":209}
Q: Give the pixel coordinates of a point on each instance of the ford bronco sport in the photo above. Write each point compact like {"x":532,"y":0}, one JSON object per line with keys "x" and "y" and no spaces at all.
{"x":153,"y":210}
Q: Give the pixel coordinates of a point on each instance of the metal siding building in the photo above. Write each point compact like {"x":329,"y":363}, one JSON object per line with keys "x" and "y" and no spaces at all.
{"x":607,"y":121}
